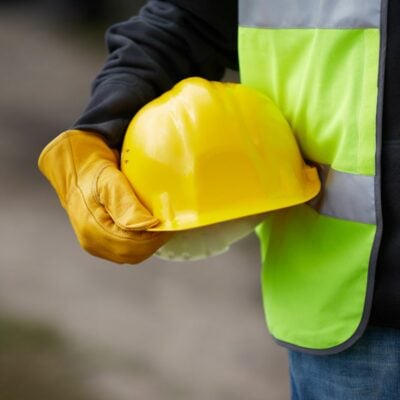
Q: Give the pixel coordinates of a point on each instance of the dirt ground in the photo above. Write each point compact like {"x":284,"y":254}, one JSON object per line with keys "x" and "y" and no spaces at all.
{"x":157,"y":331}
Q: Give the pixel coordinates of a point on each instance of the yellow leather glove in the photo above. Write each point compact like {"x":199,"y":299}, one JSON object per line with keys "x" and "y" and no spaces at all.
{"x":107,"y":217}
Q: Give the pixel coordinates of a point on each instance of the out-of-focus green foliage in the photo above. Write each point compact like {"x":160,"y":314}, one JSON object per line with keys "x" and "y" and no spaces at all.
{"x":37,"y":364}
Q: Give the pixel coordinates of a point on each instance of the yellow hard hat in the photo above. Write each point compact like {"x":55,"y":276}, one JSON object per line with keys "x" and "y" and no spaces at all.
{"x":208,"y":152}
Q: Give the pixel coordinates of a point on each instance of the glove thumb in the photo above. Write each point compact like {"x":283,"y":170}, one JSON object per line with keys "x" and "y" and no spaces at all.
{"x":117,"y":196}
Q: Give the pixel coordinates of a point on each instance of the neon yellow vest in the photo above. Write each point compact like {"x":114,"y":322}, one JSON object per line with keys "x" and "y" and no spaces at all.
{"x":322,"y":63}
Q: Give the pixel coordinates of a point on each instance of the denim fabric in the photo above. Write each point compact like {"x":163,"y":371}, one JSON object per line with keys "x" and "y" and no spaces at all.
{"x":369,"y":370}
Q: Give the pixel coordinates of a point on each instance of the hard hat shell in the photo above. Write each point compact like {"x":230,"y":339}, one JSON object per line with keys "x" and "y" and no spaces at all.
{"x":207,"y":152}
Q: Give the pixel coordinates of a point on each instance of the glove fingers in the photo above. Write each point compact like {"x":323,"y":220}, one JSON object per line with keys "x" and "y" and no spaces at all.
{"x":115,"y":193}
{"x":100,"y":236}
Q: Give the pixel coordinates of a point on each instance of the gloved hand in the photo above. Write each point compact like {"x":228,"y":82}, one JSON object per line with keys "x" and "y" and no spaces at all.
{"x":107,"y":217}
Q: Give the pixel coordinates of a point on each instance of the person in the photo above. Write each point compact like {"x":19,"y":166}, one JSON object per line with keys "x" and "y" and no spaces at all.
{"x":330,"y":274}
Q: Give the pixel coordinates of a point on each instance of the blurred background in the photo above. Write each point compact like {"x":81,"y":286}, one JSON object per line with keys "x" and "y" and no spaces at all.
{"x":74,"y":327}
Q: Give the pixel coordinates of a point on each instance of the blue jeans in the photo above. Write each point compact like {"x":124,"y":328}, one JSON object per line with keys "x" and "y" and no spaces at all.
{"x":369,"y":370}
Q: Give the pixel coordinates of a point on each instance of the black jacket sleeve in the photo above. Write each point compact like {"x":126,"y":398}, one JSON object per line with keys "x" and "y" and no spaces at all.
{"x":168,"y":41}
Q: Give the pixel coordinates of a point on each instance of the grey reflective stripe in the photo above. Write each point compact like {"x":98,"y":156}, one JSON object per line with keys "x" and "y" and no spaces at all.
{"x":310,"y":13}
{"x":346,"y":196}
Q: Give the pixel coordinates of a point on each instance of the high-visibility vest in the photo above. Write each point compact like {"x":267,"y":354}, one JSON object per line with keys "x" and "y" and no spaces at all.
{"x":322,"y":63}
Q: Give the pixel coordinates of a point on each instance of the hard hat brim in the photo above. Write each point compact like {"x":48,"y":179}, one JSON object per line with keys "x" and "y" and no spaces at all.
{"x":194,"y":221}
